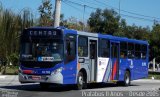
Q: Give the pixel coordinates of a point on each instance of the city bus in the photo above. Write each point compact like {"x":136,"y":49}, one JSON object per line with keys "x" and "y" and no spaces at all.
{"x":51,"y":55}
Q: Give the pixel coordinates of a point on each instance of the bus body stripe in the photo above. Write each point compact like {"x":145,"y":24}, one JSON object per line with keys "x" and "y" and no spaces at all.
{"x":114,"y":70}
{"x":105,"y":77}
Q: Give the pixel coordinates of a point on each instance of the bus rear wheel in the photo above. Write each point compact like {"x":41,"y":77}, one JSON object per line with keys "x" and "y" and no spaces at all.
{"x":81,"y":83}
{"x":127,"y":79}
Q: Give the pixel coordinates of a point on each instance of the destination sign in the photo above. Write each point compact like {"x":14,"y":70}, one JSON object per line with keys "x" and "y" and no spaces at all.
{"x":42,"y":33}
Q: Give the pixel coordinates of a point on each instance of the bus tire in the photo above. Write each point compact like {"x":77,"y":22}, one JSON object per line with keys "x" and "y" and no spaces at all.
{"x":81,"y":83}
{"x":127,"y":78}
{"x":44,"y":85}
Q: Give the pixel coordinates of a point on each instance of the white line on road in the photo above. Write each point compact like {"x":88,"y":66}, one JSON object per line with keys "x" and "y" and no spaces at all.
{"x":2,"y":77}
{"x":147,"y":80}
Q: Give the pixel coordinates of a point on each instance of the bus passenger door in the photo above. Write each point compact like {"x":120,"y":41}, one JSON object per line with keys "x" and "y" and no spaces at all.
{"x":115,"y":60}
{"x":93,"y":59}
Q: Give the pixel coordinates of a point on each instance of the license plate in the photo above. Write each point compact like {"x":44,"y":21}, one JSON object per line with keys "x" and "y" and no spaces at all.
{"x":36,"y":77}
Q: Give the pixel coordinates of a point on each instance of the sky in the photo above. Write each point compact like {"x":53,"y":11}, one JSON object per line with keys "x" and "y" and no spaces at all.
{"x":138,"y":12}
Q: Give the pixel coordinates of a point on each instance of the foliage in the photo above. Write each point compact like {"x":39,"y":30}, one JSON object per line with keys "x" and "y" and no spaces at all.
{"x":155,"y":42}
{"x":104,"y":21}
{"x":11,"y":26}
{"x":134,"y":32}
{"x":156,"y":75}
{"x":72,"y":23}
{"x":14,"y":58}
{"x":46,"y":15}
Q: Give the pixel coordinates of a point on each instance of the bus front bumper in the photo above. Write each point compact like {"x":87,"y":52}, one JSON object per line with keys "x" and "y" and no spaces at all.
{"x":54,"y":78}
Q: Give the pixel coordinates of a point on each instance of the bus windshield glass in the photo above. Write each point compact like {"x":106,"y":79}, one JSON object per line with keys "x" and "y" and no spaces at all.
{"x":42,"y":45}
{"x":50,"y":51}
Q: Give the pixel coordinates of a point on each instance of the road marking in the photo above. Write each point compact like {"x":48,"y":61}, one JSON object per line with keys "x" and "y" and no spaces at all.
{"x":147,"y":81}
{"x":2,"y":77}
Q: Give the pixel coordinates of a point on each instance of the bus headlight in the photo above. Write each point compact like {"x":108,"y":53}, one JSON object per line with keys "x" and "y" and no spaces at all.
{"x":57,"y":71}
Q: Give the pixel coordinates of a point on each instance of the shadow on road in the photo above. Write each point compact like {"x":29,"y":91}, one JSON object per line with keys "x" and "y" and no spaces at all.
{"x":59,"y":88}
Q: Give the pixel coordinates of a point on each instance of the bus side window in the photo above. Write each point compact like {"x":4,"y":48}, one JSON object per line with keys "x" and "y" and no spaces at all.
{"x":131,"y":50}
{"x":123,"y":49}
{"x":143,"y":52}
{"x":137,"y":51}
{"x":104,"y":47}
{"x":82,"y":46}
{"x":70,"y":51}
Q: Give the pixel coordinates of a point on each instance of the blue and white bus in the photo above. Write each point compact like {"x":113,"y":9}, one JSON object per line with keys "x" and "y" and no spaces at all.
{"x":65,"y":56}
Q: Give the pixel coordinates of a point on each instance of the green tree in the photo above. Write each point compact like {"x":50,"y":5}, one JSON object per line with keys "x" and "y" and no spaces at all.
{"x":133,"y":32}
{"x":155,"y":42}
{"x":122,"y":29}
{"x":104,"y":21}
{"x":73,"y":23}
{"x":46,"y":15}
{"x":11,"y":25}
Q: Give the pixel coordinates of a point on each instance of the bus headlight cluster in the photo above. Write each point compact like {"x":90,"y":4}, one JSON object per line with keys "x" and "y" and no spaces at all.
{"x":57,"y":71}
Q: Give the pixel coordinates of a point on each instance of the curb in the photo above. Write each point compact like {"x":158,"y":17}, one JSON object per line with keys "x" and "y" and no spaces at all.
{"x":7,"y":76}
{"x":147,"y":80}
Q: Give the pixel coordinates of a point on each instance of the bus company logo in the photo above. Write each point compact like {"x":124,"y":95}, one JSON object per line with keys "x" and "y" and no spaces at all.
{"x":144,"y":64}
{"x":131,"y":63}
{"x":42,"y":33}
{"x":46,"y":59}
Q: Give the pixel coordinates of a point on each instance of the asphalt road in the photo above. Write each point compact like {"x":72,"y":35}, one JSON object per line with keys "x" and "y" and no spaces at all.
{"x":10,"y":87}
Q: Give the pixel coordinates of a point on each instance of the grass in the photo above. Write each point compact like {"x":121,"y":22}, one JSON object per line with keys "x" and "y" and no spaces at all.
{"x":11,"y":70}
{"x":155,"y":75}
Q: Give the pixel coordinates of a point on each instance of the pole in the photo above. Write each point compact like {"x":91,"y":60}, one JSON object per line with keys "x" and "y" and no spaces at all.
{"x":57,"y":13}
{"x":154,"y":63}
{"x":84,"y":16}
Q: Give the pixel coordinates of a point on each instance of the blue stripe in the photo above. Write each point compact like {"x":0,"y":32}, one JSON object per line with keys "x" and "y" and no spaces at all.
{"x":106,"y":71}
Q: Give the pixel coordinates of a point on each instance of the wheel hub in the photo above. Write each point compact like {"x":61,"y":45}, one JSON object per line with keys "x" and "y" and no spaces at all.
{"x":127,"y":79}
{"x":80,"y":80}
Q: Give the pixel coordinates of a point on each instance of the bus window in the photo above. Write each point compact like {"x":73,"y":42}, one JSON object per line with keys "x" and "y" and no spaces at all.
{"x":138,"y":55}
{"x":83,"y":46}
{"x":137,"y":51}
{"x":104,"y":47}
{"x":114,"y":51}
{"x":143,"y":51}
{"x":123,"y":49}
{"x":131,"y":50}
{"x":143,"y":48}
{"x":143,"y":55}
{"x":70,"y":48}
{"x":123,"y":54}
{"x":130,"y":46}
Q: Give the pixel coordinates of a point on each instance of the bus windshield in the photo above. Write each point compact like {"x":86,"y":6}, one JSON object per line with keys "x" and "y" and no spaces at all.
{"x":42,"y":50}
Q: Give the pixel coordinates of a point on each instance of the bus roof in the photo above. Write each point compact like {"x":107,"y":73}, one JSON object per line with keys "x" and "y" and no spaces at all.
{"x":114,"y":38}
{"x":125,"y":39}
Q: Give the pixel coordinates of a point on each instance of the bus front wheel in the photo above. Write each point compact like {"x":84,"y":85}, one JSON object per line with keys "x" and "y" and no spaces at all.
{"x":80,"y":81}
